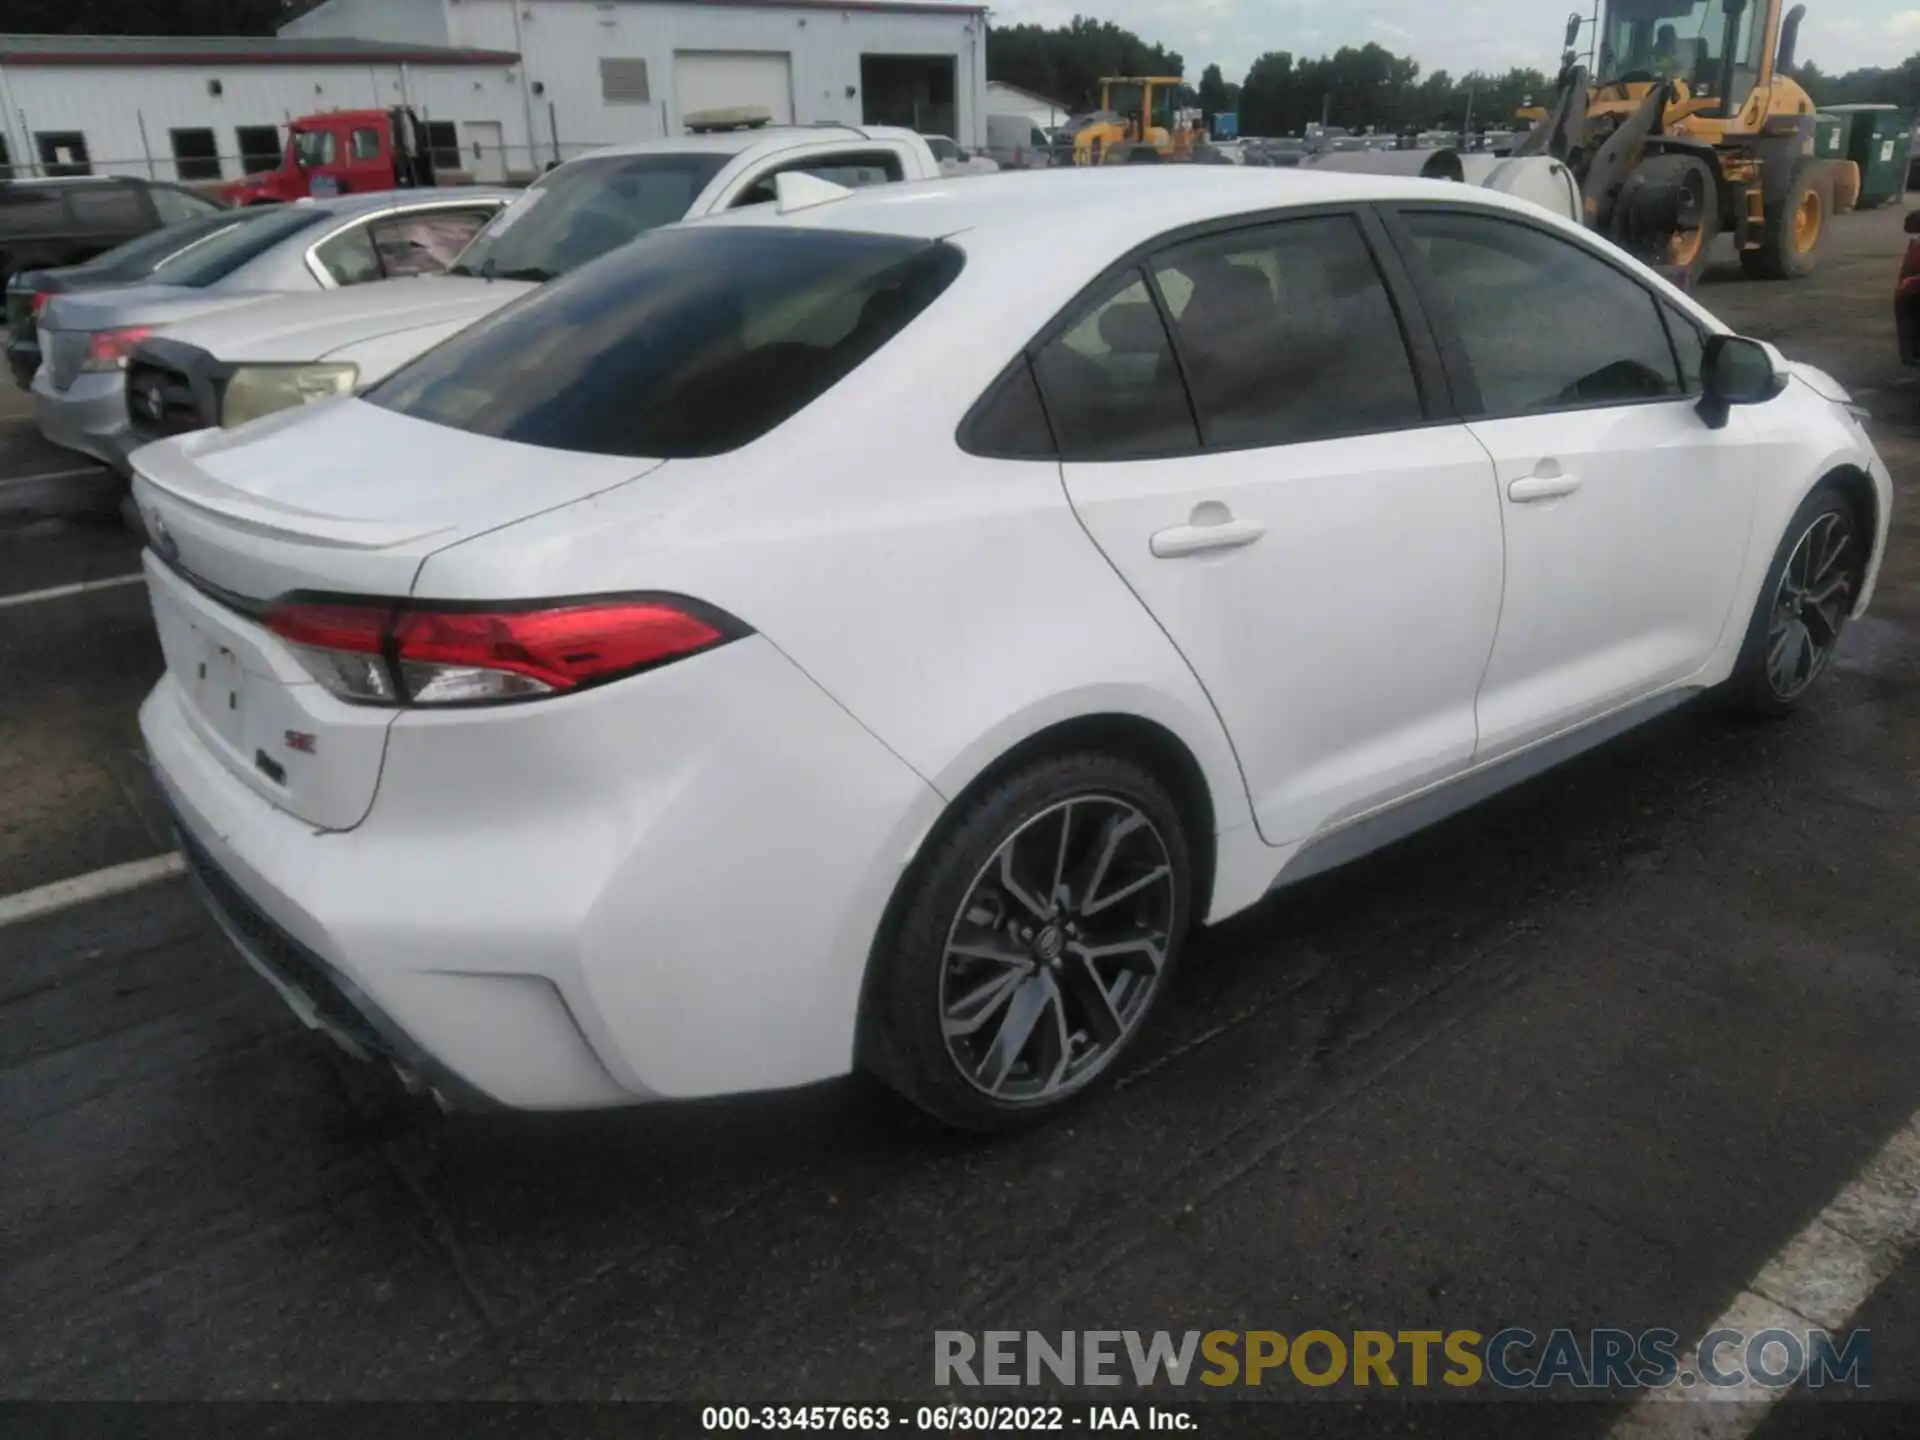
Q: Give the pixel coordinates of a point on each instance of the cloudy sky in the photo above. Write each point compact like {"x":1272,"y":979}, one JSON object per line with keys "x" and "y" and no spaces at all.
{"x":1479,"y":34}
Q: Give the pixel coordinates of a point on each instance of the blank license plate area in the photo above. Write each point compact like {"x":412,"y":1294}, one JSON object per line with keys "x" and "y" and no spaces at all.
{"x":217,"y":684}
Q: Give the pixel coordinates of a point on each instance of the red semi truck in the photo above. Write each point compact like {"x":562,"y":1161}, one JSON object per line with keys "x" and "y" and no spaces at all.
{"x":342,"y":152}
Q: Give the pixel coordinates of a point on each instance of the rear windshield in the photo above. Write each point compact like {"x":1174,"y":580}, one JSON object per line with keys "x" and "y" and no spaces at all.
{"x":228,"y":251}
{"x":583,"y":210}
{"x":692,"y":341}
{"x":141,"y":256}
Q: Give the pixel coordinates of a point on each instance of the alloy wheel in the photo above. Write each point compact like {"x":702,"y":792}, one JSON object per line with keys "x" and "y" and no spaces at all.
{"x":1810,"y":607}
{"x":1058,"y":949}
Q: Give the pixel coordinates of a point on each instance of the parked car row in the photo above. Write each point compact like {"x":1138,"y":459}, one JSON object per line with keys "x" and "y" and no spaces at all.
{"x":86,"y":335}
{"x":224,"y":326}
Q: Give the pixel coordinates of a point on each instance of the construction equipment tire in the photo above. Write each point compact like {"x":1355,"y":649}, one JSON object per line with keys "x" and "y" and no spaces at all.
{"x":1796,"y":226}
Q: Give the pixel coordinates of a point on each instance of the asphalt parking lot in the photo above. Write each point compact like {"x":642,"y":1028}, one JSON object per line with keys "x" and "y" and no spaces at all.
{"x":1587,"y":1057}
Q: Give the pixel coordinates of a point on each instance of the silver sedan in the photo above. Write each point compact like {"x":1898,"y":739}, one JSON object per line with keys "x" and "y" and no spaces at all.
{"x":78,"y":392}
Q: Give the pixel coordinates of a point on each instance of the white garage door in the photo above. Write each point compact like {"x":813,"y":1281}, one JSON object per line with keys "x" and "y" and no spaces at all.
{"x":723,"y":79}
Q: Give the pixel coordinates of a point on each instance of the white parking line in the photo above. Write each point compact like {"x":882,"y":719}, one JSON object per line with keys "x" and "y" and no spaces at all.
{"x":60,"y":592}
{"x":1819,"y":1279}
{"x":64,"y":894}
{"x":83,"y":472}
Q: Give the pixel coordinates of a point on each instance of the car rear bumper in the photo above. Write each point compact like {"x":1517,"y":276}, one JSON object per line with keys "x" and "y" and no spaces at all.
{"x":667,"y":887}
{"x":90,"y":416}
{"x":315,"y":991}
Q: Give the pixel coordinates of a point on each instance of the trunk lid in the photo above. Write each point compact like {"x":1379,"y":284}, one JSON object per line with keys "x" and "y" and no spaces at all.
{"x":343,"y":498}
{"x":69,"y":322}
{"x":293,"y":329}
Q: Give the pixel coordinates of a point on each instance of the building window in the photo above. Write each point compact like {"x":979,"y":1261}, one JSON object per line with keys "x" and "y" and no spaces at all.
{"x":63,"y":152}
{"x":259,"y":147}
{"x":443,"y":142}
{"x":196,"y":154}
{"x":624,"y":82}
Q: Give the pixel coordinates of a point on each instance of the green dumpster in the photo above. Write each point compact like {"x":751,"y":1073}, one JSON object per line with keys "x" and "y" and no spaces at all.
{"x":1879,"y":144}
{"x":1830,"y":135}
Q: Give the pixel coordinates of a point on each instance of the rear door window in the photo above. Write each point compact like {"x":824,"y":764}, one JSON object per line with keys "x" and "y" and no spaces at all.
{"x":32,"y":210}
{"x":427,"y":242}
{"x":349,"y":257}
{"x":1288,"y":335}
{"x":686,"y":342}
{"x":1112,"y":387}
{"x":108,"y":210}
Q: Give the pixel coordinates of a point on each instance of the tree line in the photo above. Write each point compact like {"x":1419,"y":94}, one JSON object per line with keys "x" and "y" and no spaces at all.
{"x":1356,"y":88}
{"x":1280,"y":94}
{"x":1066,"y":63}
{"x":1899,"y":85}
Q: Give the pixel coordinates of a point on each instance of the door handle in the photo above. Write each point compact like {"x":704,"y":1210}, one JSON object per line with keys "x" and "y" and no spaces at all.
{"x":1211,"y":527}
{"x":1549,"y":481}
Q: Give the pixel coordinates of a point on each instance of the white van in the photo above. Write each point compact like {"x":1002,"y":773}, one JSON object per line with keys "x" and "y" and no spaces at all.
{"x":1017,"y":143}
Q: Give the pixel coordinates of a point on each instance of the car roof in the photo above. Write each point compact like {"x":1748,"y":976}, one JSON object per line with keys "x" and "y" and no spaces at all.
{"x":1123,"y":205}
{"x":738,"y":142}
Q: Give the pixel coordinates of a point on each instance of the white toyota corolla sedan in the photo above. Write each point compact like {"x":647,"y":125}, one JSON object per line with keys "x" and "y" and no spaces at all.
{"x":874,"y":630}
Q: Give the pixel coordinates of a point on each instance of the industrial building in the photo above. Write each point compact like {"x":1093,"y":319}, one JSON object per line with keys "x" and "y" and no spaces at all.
{"x":507,"y":86}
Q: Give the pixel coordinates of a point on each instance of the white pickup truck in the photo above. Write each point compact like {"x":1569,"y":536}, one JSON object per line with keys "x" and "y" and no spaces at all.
{"x":255,"y":359}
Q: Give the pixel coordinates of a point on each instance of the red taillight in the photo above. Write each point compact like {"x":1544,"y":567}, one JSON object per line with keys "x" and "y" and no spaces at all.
{"x":361,"y":629}
{"x":422,"y":655}
{"x":343,"y":645}
{"x":39,"y":301}
{"x":108,"y":349}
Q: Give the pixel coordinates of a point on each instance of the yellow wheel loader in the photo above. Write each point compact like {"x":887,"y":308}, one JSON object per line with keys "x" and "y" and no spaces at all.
{"x":1135,"y":122}
{"x":1690,"y":127}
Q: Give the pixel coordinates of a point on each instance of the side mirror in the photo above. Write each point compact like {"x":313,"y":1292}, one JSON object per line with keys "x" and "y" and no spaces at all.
{"x":1574,"y":21}
{"x":1735,"y":371}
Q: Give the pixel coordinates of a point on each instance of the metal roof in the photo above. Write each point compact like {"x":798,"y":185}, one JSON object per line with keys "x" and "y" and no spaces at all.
{"x":232,"y":50}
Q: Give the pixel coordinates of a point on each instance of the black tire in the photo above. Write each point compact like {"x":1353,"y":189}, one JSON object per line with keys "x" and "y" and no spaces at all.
{"x":904,"y":1024}
{"x":1754,"y":686}
{"x":1673,"y":186}
{"x":1782,"y":254}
